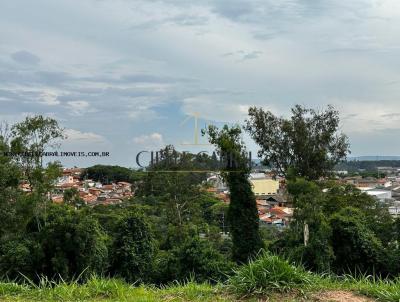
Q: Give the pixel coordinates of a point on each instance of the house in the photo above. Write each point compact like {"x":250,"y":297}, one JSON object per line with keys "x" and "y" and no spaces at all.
{"x":65,"y":186}
{"x":263,"y":204}
{"x":89,"y":198}
{"x":94,"y":191}
{"x":25,"y":187}
{"x":110,"y":201}
{"x":276,"y":200}
{"x":57,"y":199}
{"x":125,"y":185}
{"x":75,"y":172}
{"x":279,"y":216}
{"x":108,"y":188}
{"x":65,"y":179}
{"x":89,"y":183}
{"x":394,"y":210}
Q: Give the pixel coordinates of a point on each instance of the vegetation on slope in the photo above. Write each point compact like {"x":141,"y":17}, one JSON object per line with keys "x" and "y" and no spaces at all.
{"x":267,"y":277}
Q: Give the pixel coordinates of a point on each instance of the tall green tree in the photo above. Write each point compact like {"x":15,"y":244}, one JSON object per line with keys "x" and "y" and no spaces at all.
{"x":29,"y":140}
{"x":308,"y":144}
{"x":172,"y":185}
{"x":133,"y":248}
{"x":10,"y":195}
{"x":242,"y":213}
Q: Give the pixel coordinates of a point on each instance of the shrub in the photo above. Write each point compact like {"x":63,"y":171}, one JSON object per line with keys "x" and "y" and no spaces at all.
{"x":268,"y":273}
{"x":356,"y":247}
{"x":194,"y":259}
{"x":66,"y":244}
{"x":19,"y":255}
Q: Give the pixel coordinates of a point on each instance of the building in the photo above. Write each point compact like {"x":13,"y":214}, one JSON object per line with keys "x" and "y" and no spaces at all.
{"x":216,"y":182}
{"x":263,"y":185}
{"x":380,"y":194}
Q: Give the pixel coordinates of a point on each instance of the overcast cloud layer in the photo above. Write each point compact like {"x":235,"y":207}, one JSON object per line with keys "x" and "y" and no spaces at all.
{"x":121,"y":76}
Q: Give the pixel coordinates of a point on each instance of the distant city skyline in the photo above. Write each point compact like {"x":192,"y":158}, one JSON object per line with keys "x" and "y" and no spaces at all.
{"x":121,"y":76}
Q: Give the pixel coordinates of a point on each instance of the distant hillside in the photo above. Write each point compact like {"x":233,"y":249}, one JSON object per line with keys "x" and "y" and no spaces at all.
{"x":374,"y":158}
{"x":367,"y":165}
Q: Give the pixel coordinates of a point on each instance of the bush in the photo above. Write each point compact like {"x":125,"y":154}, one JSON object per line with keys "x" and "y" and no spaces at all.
{"x":194,"y":259}
{"x":356,"y":247}
{"x":66,"y":244}
{"x":268,"y":273}
{"x":19,"y":255}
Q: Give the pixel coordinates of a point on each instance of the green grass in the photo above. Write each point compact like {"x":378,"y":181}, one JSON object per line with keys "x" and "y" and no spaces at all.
{"x":97,"y":289}
{"x":271,"y":274}
{"x":381,"y":289}
{"x":267,"y":277}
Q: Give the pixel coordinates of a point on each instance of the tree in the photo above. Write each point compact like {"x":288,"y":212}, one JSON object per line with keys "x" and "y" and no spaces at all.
{"x":316,"y":252}
{"x":71,"y":196}
{"x":308,"y":144}
{"x":349,"y":231}
{"x":133,"y":249}
{"x":73,"y":244}
{"x":109,"y":174}
{"x":29,"y":140}
{"x":242,"y":213}
{"x":10,"y":175}
{"x":172,"y":185}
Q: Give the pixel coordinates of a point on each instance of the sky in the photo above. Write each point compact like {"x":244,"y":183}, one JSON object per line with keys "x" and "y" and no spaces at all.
{"x":123,"y":76}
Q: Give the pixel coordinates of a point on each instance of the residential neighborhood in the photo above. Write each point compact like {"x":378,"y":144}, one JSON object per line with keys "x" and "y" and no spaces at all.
{"x":90,"y":192}
{"x":274,"y":207}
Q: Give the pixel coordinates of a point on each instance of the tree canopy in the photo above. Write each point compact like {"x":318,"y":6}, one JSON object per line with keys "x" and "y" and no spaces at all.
{"x":308,"y":144}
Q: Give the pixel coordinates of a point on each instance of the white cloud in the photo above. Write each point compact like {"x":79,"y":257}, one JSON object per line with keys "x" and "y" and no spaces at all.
{"x":220,"y":108}
{"x":153,"y":140}
{"x":142,"y":113}
{"x":368,"y":118}
{"x":78,"y":107}
{"x":49,"y":98}
{"x":87,"y":137}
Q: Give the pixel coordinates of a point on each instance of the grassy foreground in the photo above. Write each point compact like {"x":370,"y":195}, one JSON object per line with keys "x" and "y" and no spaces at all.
{"x":268,"y":278}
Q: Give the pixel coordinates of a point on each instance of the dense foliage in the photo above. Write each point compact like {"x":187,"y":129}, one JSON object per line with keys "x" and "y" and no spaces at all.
{"x":308,"y":144}
{"x":67,"y":245}
{"x":109,"y":174}
{"x":349,"y":231}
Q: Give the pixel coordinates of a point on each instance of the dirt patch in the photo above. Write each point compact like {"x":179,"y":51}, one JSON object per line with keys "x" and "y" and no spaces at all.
{"x":340,"y":296}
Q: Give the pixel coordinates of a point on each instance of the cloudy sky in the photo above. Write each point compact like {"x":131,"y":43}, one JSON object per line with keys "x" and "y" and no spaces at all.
{"x":123,"y":75}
